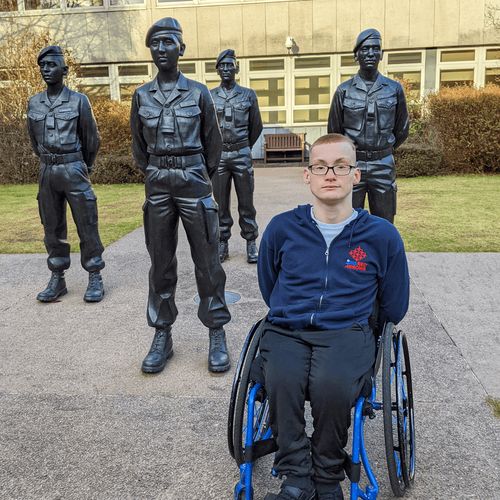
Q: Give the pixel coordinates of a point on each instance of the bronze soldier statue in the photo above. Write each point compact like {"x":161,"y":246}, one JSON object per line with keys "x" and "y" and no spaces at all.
{"x":371,"y":110}
{"x":176,"y":142}
{"x":241,"y":125}
{"x":64,"y":135}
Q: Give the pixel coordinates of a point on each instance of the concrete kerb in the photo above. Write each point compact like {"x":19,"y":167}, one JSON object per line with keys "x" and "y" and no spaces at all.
{"x":79,"y":420}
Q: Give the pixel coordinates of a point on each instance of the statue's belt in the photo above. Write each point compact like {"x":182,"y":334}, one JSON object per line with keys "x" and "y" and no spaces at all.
{"x":373,"y":155}
{"x":59,"y":159}
{"x":180,"y":162}
{"x":235,"y":146}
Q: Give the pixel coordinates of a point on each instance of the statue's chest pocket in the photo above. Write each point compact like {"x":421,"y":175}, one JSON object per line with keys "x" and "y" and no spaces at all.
{"x":354,"y":112}
{"x":220,"y":112}
{"x":150,"y":116}
{"x":386,"y":109}
{"x":241,"y":110}
{"x":67,"y":122}
{"x":37,"y":122}
{"x":188,"y":117}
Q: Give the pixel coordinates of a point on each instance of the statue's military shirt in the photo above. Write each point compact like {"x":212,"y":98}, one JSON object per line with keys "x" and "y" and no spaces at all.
{"x":66,"y":125}
{"x":238,"y":114}
{"x":181,"y":123}
{"x":374,"y":118}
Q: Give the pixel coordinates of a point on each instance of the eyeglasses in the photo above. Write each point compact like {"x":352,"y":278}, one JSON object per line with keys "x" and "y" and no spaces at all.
{"x":337,"y":169}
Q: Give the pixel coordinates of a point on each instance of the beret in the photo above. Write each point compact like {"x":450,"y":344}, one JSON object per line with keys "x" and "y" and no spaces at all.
{"x":166,"y":24}
{"x":364,"y":35}
{"x":223,"y":54}
{"x":51,"y":50}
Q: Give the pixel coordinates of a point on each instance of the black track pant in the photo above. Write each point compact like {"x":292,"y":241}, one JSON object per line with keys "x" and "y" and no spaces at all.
{"x":378,"y":181}
{"x":332,"y":368}
{"x":59,"y":185}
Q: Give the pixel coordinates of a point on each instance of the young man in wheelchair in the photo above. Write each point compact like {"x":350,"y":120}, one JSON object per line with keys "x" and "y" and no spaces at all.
{"x":320,"y":269}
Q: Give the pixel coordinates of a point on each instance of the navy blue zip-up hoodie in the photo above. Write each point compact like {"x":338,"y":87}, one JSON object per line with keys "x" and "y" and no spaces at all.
{"x":307,"y":285}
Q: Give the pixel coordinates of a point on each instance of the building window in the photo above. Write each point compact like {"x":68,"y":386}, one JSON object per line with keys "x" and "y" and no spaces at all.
{"x":453,"y":77}
{"x":271,"y":95}
{"x":127,"y":91}
{"x":273,"y":117}
{"x":412,"y":79}
{"x":270,"y":91}
{"x":312,"y":90}
{"x":457,"y":55}
{"x":408,"y":68}
{"x":41,"y":4}
{"x":133,"y":70}
{"x":112,"y":3}
{"x":92,"y":71}
{"x":267,"y":65}
{"x":96,"y":90}
{"x":313,"y":94}
{"x":347,"y":60}
{"x":310,"y":115}
{"x":210,"y":67}
{"x":492,"y":76}
{"x":126,"y":78}
{"x":404,"y":58}
{"x":492,"y":54}
{"x":71,"y":4}
{"x":188,"y":68}
{"x":312,"y":62}
{"x":8,"y":5}
{"x":345,"y":76}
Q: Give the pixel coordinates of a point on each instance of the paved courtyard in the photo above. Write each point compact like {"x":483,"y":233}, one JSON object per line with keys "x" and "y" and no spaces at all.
{"x":79,"y":420}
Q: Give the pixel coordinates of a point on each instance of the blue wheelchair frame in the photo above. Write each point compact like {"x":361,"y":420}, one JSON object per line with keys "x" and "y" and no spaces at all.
{"x":401,"y":473}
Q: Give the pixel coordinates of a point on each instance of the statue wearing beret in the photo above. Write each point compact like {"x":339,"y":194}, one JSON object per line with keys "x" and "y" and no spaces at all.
{"x":176,"y":142}
{"x":64,"y":135}
{"x":241,"y":125}
{"x":371,"y":110}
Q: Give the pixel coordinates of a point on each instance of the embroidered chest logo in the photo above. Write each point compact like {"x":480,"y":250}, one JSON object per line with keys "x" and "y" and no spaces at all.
{"x":358,"y":254}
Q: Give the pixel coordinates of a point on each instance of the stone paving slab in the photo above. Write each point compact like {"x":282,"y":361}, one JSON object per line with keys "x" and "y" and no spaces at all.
{"x":79,"y":420}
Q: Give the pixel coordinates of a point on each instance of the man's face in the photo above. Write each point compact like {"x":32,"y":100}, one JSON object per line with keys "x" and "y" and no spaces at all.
{"x":165,"y":49}
{"x":369,"y":54}
{"x":332,"y":189}
{"x":227,"y":69}
{"x":53,"y":69}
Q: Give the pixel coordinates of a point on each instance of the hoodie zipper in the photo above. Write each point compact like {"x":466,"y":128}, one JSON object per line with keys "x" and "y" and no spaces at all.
{"x":327,"y":256}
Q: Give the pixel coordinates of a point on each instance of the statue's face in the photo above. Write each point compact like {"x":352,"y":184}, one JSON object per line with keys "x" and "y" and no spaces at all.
{"x":166,"y":49}
{"x":369,"y":54}
{"x":227,"y":69}
{"x":53,"y":69}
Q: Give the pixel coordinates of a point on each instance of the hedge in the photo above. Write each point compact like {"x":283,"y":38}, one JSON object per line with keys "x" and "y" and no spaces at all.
{"x":415,"y":159}
{"x":466,"y":122}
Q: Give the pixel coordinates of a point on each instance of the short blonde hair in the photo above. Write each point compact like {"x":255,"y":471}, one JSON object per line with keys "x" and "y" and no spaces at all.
{"x":332,"y":139}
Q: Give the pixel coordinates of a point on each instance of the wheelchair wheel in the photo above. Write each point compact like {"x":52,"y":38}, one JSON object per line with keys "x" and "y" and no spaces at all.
{"x":239,"y":394}
{"x":399,"y":423}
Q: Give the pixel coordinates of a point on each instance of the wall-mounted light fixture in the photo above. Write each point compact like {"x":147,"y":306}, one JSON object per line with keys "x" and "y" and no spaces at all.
{"x":289,"y":43}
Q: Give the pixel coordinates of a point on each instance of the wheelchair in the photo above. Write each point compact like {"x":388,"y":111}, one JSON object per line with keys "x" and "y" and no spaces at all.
{"x":250,"y":436}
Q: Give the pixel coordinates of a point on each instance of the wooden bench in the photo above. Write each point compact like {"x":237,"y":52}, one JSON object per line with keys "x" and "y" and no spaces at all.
{"x":282,"y":147}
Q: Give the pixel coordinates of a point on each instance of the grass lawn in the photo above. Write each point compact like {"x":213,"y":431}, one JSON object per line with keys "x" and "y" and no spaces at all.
{"x":495,"y":406}
{"x":21,"y":231}
{"x":450,"y":213}
{"x":435,"y":214}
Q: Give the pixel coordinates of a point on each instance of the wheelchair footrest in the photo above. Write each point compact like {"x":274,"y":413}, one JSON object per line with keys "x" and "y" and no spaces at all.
{"x":352,"y":470}
{"x":259,"y":449}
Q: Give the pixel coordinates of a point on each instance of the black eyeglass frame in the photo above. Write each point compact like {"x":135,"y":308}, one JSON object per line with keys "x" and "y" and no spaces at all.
{"x":332,"y":167}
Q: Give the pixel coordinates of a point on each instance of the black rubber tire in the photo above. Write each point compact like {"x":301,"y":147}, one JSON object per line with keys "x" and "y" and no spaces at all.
{"x":390,"y":403}
{"x":409,"y":475}
{"x":239,"y":392}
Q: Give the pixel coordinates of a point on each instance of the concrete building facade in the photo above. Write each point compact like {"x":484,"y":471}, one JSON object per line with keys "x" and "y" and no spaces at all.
{"x":294,"y":53}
